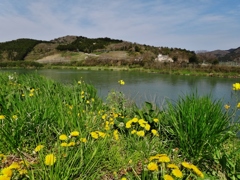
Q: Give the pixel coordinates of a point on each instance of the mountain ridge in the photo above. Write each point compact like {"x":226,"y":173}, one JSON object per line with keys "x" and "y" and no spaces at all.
{"x":26,"y":49}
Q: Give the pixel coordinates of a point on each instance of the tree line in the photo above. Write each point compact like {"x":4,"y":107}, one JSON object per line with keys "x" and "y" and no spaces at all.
{"x":87,"y":45}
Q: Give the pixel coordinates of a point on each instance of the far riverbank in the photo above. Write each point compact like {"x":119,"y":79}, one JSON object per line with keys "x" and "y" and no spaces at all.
{"x":221,"y":71}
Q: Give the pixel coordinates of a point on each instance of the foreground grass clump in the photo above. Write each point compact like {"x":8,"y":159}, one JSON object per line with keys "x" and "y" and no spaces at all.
{"x":53,"y":131}
{"x":198,"y":125}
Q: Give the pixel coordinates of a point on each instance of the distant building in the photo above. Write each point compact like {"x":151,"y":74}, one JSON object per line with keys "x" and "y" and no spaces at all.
{"x":163,"y":58}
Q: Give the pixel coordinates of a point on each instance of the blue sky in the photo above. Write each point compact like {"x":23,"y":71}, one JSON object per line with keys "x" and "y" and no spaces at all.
{"x":188,"y":24}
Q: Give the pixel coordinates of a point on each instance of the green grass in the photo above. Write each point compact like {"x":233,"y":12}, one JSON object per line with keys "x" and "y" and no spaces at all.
{"x":111,"y":140}
{"x":198,"y":125}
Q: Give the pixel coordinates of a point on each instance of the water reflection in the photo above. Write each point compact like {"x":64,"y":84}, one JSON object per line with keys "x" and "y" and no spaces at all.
{"x":141,"y":86}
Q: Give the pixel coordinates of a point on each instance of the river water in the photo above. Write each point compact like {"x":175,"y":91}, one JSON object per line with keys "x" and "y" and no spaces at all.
{"x":142,"y":86}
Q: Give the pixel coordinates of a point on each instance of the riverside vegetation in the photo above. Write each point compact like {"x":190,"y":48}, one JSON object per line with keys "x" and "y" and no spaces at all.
{"x":53,"y":131}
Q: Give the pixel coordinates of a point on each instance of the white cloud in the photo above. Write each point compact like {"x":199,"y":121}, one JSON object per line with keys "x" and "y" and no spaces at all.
{"x":175,"y":23}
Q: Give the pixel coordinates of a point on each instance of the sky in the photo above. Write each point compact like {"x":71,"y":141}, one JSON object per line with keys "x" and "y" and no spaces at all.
{"x":194,"y":25}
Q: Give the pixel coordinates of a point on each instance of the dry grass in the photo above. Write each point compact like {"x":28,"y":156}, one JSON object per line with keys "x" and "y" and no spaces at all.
{"x":114,"y":55}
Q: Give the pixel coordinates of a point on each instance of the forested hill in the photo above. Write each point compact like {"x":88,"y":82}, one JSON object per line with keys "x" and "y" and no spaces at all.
{"x":17,"y":49}
{"x":103,"y":49}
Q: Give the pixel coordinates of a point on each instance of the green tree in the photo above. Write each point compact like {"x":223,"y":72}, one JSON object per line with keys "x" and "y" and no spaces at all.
{"x":193,"y":59}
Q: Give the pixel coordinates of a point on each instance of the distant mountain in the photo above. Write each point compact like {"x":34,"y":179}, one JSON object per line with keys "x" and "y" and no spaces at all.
{"x":233,"y":55}
{"x":220,"y":55}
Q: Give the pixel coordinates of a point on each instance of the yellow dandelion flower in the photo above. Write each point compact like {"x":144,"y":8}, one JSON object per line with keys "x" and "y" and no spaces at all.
{"x":7,"y":172}
{"x":14,"y":165}
{"x":74,"y":134}
{"x":50,"y":159}
{"x":84,"y":140}
{"x":38,"y":148}
{"x":164,"y":159}
{"x":31,"y":94}
{"x":236,"y":86}
{"x":63,"y":137}
{"x":168,"y":177}
{"x":153,"y":158}
{"x":187,"y":165}
{"x":106,"y":127}
{"x":177,"y":173}
{"x":121,"y":82}
{"x":227,"y":106}
{"x":2,"y":117}
{"x":141,"y":121}
{"x":147,"y":127}
{"x":115,"y":135}
{"x":197,"y":171}
{"x":172,"y":166}
{"x":72,"y":143}
{"x":133,"y":131}
{"x":64,"y":144}
{"x":94,"y":135}
{"x":3,"y":177}
{"x":154,"y":132}
{"x":155,"y":120}
{"x":23,"y":95}
{"x":140,"y":133}
{"x":104,"y":116}
{"x":101,"y":134}
{"x":135,"y":120}
{"x":142,"y":125}
{"x":129,"y":124}
{"x":123,"y":178}
{"x":152,"y":166}
{"x":79,"y":82}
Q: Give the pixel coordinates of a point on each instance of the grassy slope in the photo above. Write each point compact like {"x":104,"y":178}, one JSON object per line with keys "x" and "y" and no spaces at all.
{"x":36,"y":111}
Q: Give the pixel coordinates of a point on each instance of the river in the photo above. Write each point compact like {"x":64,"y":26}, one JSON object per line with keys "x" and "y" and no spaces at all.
{"x":143,"y":86}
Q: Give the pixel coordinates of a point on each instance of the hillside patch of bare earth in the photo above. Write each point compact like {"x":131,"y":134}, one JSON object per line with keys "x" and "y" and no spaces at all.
{"x":67,"y":57}
{"x":56,"y":58}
